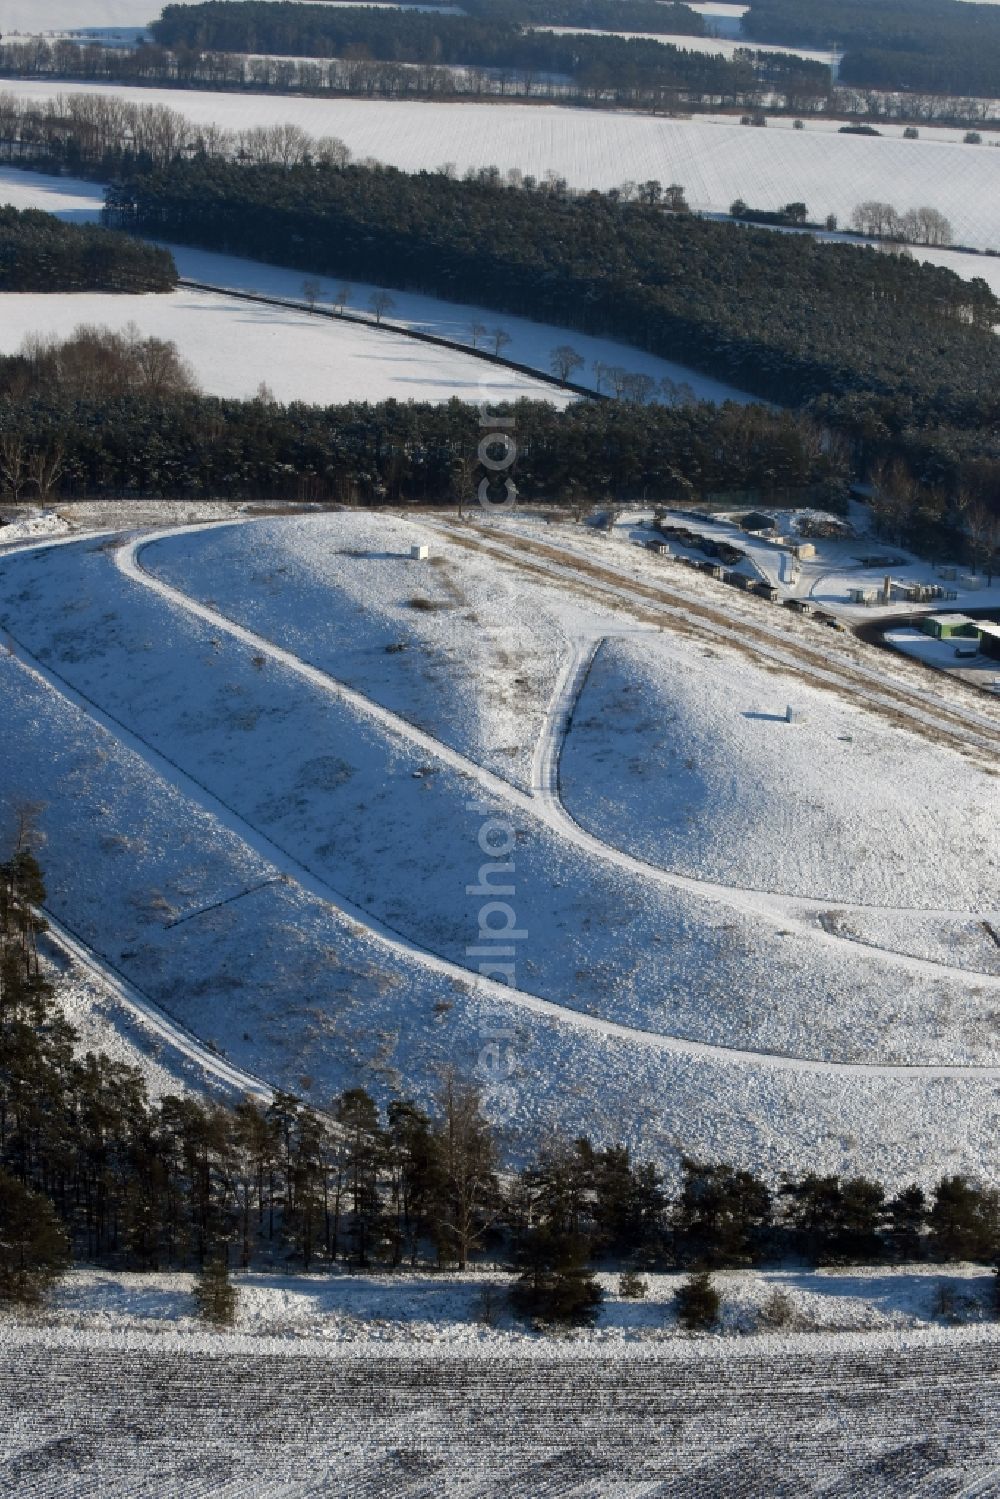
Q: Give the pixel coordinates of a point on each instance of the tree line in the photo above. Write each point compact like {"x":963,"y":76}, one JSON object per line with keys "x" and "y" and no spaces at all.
{"x":936,"y":46}
{"x":606,"y":72}
{"x":278,"y":27}
{"x":493,"y":34}
{"x":40,"y":253}
{"x":114,"y":413}
{"x":594,"y":15}
{"x":106,"y":136}
{"x":154,"y":439}
{"x":878,"y":345}
{"x":91,"y":1167}
{"x":874,"y":219}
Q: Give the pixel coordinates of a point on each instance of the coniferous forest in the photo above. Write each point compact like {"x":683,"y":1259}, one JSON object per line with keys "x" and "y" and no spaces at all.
{"x":492,"y":34}
{"x":40,"y":253}
{"x":896,"y":354}
{"x":282,"y":27}
{"x":931,"y":46}
{"x":160,"y":440}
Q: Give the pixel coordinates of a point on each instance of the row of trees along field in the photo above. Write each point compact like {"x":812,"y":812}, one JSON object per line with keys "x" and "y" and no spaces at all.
{"x":491,"y":34}
{"x":937,"y":46}
{"x":92,"y":1167}
{"x":751,"y":81}
{"x":154,"y":438}
{"x":603,"y":71}
{"x":111,"y":412}
{"x":277,"y":27}
{"x":878,"y":345}
{"x":39,"y":253}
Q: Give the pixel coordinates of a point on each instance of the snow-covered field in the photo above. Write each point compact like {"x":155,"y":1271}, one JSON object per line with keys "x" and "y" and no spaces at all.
{"x":103,"y":1411}
{"x":476,"y":668}
{"x":361,"y":1013}
{"x":388,"y":822}
{"x":233,"y":347}
{"x":715,"y":162}
{"x":31,"y":17}
{"x":721,"y":18}
{"x":713,"y":46}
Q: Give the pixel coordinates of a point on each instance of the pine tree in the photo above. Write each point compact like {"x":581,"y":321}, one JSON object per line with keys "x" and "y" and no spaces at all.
{"x":414,"y":1178}
{"x":628,"y":1203}
{"x":697,"y":1302}
{"x":907,"y":1216}
{"x":34,"y":1248}
{"x":632,"y":1286}
{"x":964,"y":1220}
{"x":214,"y":1292}
{"x":556,"y":1283}
{"x":364,"y":1146}
{"x":722,"y":1215}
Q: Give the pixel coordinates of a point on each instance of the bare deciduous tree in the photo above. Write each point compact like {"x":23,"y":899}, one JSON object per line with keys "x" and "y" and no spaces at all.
{"x":565,"y":361}
{"x":46,"y":465}
{"x":467,"y":1161}
{"x":13,"y":464}
{"x":380,"y":303}
{"x":638,"y":388}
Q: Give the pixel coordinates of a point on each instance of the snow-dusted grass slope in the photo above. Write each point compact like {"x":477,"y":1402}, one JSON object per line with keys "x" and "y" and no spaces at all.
{"x":452,"y":644}
{"x":685,"y":758}
{"x":233,"y":347}
{"x":69,"y":198}
{"x":716,"y":162}
{"x":394,"y":831}
{"x":307,"y":361}
{"x":149,"y":869}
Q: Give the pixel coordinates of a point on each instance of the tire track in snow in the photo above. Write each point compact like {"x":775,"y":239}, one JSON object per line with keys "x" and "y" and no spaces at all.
{"x":152,"y":1017}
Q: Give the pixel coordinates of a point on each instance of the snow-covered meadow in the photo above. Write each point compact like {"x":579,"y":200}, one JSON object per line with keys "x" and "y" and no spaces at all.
{"x":234,"y":346}
{"x":390,"y":826}
{"x":453,"y":644}
{"x":310,"y":920}
{"x":58,"y":17}
{"x":714,"y":161}
{"x":446,"y":1309}
{"x":691,"y":764}
{"x":365,"y":817}
{"x":712,"y":46}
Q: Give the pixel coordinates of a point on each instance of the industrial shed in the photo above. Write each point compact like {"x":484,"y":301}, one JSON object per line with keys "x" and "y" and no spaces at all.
{"x":949,"y":626}
{"x":989,"y":639}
